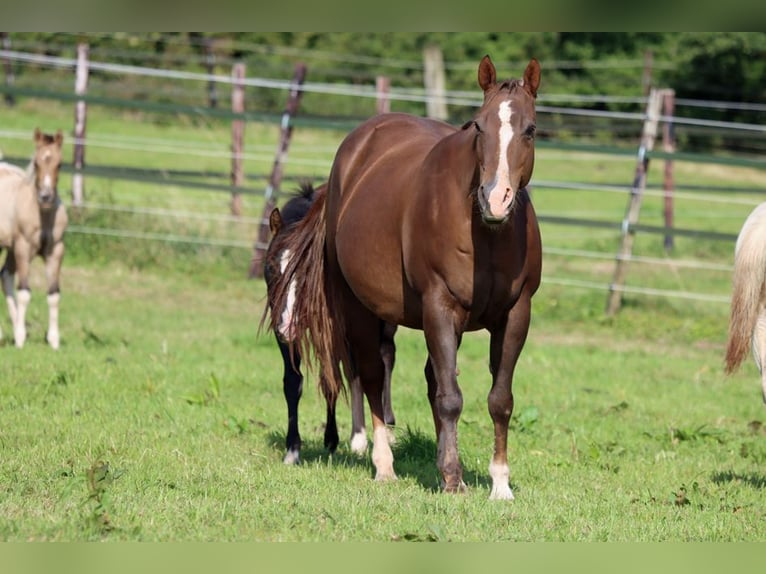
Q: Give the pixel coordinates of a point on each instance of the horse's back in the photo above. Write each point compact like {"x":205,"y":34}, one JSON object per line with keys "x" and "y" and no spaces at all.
{"x":387,"y":147}
{"x":13,"y":185}
{"x":753,"y":232}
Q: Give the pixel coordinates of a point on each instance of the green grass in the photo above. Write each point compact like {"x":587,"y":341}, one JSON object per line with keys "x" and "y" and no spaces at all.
{"x":161,"y":418}
{"x":163,"y":389}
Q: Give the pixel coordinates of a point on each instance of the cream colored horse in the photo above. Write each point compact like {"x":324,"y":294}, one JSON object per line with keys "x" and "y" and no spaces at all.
{"x":747,"y":322}
{"x":32,"y":223}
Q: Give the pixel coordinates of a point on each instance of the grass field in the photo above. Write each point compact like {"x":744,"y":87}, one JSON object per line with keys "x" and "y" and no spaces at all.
{"x":161,"y":418}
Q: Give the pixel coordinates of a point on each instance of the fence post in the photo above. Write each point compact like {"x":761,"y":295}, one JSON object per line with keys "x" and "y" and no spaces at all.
{"x":382,"y":85}
{"x":648,"y":135}
{"x":293,"y":101}
{"x":668,"y":146}
{"x":433,"y":78}
{"x":237,"y":135}
{"x":10,"y":79}
{"x":80,"y":113}
{"x":212,"y":95}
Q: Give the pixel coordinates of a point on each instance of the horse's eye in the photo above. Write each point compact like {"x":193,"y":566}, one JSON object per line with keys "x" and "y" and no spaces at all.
{"x":530,"y":131}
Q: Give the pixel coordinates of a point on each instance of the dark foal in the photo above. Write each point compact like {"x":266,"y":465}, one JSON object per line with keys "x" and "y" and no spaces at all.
{"x":282,"y":223}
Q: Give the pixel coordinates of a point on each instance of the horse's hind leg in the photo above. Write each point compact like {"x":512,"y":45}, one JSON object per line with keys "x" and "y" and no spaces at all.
{"x":6,"y":277}
{"x":292,"y":385}
{"x":388,"y":354}
{"x":363,"y":331}
{"x":331,"y":439}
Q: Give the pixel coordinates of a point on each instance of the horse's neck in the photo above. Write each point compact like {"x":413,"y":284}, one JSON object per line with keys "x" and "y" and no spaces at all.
{"x":457,"y":157}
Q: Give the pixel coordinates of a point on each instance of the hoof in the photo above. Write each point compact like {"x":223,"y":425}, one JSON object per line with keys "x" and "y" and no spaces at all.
{"x":501,"y":493}
{"x":459,"y":488}
{"x":388,"y":476}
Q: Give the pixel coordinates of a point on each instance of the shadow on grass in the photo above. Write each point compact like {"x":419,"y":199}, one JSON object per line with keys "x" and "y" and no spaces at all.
{"x":414,"y":457}
{"x":753,"y":479}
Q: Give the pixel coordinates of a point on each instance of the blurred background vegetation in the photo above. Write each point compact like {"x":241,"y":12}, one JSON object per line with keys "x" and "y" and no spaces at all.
{"x":722,"y":66}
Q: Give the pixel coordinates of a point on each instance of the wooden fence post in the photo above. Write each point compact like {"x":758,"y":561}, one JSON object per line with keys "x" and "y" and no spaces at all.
{"x":382,"y":85}
{"x":293,"y":101}
{"x":648,"y":136}
{"x":212,"y":95}
{"x":10,"y":79}
{"x":237,"y":136}
{"x":433,"y":78}
{"x":80,"y":113}
{"x":668,"y":146}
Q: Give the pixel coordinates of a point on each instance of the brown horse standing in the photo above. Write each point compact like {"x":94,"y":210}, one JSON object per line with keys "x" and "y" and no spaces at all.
{"x":428,"y":226}
{"x":32,"y":223}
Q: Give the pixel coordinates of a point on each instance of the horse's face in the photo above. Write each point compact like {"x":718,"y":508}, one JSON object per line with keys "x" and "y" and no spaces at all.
{"x":47,"y":162}
{"x":505,"y":139}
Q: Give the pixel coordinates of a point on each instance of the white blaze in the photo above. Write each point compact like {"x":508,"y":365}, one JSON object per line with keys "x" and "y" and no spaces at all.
{"x":501,"y":194}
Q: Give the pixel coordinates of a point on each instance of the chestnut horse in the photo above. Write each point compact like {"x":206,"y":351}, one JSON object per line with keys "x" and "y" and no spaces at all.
{"x":747,"y":320}
{"x":429,"y":226}
{"x":277,"y":257}
{"x":32,"y":223}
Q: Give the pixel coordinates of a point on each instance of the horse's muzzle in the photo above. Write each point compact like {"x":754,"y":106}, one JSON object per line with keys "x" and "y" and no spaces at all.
{"x":46,"y":197}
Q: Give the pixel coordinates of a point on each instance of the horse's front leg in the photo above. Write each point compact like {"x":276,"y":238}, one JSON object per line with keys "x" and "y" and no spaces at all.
{"x":292,"y":387}
{"x":23,"y":295}
{"x":52,"y":272}
{"x":6,"y":277}
{"x":506,"y":343}
{"x":441,"y":329}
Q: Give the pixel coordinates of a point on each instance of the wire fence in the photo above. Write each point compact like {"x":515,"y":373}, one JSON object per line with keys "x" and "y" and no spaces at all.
{"x":206,"y":223}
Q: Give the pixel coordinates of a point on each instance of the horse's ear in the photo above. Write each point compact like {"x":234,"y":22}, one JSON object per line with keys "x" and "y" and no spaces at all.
{"x":275,"y":221}
{"x":487,"y":75}
{"x":59,"y":139}
{"x":38,"y":135}
{"x":532,"y":77}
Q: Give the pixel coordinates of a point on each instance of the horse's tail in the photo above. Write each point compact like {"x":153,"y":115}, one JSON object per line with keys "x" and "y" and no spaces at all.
{"x":315,"y":332}
{"x":748,"y":287}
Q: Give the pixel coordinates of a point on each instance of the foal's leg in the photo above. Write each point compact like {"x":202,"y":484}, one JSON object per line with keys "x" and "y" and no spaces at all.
{"x":358,"y":431}
{"x":23,"y":294}
{"x":506,"y":343}
{"x":441,"y":333}
{"x":388,"y":353}
{"x":6,"y":277}
{"x":52,"y":272}
{"x":292,"y":386}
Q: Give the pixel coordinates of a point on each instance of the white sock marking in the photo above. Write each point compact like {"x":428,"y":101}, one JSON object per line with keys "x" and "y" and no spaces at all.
{"x":359,"y":442}
{"x":501,"y":489}
{"x":53,"y":320}
{"x":382,"y":457}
